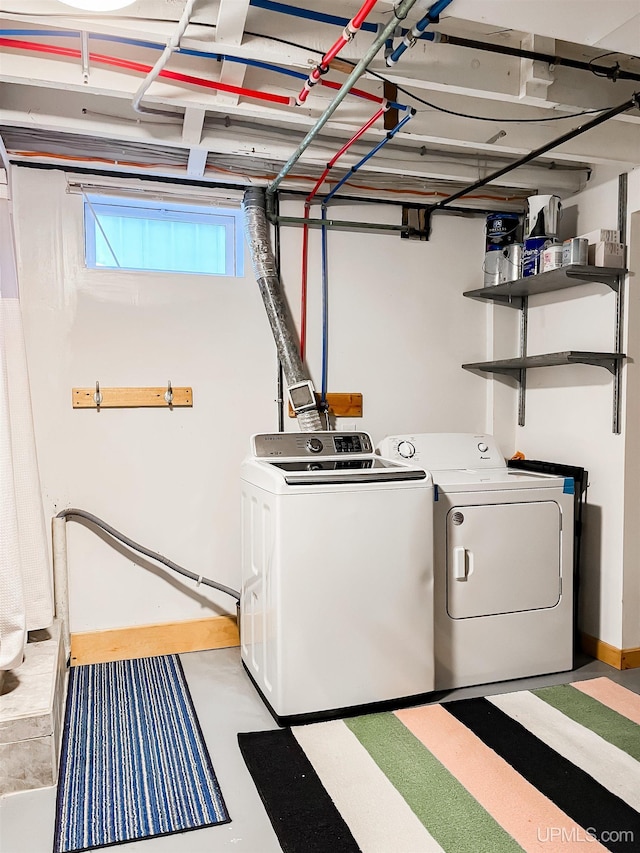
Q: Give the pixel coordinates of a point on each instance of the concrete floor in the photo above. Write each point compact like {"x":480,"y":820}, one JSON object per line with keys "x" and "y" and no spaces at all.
{"x":227,"y":703}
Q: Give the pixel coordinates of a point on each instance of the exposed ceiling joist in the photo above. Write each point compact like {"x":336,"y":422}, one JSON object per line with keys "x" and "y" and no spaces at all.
{"x":517,"y":99}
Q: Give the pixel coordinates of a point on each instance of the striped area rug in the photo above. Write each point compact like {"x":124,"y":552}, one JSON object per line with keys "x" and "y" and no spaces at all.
{"x":134,"y":763}
{"x":556,"y":769}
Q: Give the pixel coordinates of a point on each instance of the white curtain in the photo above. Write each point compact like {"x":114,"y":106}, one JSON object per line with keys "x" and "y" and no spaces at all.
{"x":26,"y":595}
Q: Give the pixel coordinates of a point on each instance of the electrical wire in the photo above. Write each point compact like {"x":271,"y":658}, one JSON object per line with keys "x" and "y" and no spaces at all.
{"x":489,"y":118}
{"x":360,"y":93}
{"x":135,"y":546}
{"x":430,"y":103}
{"x":260,"y":177}
{"x":612,"y":73}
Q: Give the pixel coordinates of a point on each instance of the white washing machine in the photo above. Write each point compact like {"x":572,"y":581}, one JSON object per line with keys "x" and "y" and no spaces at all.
{"x":336,"y":606}
{"x":503,"y":561}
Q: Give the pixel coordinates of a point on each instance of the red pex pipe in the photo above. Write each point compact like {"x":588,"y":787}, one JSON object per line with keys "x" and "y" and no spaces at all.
{"x":129,"y":65}
{"x":359,"y":17}
{"x":184,"y":78}
{"x":303,"y":285}
{"x":305,"y":227}
{"x":359,"y":92}
{"x":144,"y":69}
{"x":347,"y":34}
{"x":365,"y":127}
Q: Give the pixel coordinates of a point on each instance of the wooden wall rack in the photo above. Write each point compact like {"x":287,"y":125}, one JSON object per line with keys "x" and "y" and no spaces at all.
{"x":340,"y":405}
{"x":165,"y":397}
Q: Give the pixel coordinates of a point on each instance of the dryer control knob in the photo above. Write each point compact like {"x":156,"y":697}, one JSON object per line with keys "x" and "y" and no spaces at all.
{"x":406,"y":449}
{"x":482,"y":447}
{"x":315,"y":445}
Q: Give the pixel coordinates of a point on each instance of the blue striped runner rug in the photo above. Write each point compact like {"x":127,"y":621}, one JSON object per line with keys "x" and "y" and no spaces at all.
{"x":134,"y":763}
{"x":554,"y":770}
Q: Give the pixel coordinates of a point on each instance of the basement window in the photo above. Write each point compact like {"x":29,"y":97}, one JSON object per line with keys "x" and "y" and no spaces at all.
{"x":159,"y":236}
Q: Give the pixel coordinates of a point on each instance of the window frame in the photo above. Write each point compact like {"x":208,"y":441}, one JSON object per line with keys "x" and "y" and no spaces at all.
{"x":165,"y":211}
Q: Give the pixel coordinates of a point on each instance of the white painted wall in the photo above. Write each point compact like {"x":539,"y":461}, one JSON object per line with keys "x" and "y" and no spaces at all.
{"x":569,"y":416}
{"x":399,"y":325}
{"x":400,"y":329}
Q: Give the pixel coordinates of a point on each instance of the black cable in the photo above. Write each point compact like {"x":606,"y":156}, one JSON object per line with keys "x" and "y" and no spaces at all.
{"x":613,"y":73}
{"x":632,"y":103}
{"x":498,"y":120}
{"x":386,"y":80}
{"x":430,"y":103}
{"x":81,"y":513}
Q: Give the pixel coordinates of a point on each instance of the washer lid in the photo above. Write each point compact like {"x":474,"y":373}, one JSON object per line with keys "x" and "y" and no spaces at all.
{"x":304,"y":472}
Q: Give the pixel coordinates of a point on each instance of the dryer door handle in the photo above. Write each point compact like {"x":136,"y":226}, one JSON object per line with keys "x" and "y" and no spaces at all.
{"x":460,"y":563}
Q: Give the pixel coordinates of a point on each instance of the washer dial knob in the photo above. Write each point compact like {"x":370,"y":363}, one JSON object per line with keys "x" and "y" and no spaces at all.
{"x":315,"y":445}
{"x":482,"y":447}
{"x":406,"y":449}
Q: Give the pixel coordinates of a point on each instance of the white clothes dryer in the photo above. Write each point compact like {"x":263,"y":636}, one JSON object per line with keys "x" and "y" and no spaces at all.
{"x":336,"y":606}
{"x":503,"y":589}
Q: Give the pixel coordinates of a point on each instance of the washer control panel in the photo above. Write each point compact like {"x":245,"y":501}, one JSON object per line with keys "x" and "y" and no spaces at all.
{"x":444,"y":451}
{"x":298,"y":445}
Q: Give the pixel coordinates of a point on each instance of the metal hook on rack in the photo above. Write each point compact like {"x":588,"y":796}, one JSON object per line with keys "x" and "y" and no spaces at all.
{"x":168,"y":394}
{"x":97,"y":396}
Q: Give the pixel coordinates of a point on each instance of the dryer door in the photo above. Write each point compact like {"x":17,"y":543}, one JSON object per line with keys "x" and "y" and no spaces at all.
{"x":503,"y":558}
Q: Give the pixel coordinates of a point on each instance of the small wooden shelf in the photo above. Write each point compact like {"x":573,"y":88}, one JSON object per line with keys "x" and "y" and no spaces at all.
{"x":512,"y":292}
{"x":513,"y":366}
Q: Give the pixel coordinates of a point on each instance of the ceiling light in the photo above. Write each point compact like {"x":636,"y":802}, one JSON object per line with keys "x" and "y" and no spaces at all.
{"x":98,"y":5}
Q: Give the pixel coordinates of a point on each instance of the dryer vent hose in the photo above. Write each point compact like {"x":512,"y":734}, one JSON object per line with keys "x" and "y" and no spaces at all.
{"x":275,"y":303}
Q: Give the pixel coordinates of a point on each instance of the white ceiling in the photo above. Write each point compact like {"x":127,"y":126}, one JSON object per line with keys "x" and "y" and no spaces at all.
{"x":53,"y":112}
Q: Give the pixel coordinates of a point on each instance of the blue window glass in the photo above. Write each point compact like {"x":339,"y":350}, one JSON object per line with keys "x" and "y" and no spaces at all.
{"x":133,"y":234}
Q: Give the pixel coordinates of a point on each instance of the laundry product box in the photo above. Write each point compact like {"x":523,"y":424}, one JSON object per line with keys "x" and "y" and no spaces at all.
{"x":601,"y":235}
{"x":606,"y":254}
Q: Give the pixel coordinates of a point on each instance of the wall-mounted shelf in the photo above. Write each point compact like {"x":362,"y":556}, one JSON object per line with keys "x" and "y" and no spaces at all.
{"x":515,"y":294}
{"x":511,"y":292}
{"x":513,"y":366}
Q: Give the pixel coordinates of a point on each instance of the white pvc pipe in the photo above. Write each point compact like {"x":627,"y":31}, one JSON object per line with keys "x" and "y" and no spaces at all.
{"x":172,"y":44}
{"x":61,"y":578}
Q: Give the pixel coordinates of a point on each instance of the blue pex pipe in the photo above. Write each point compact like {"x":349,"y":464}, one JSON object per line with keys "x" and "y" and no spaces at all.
{"x":47,"y":33}
{"x":368,"y":156}
{"x":321,"y":17}
{"x":151,"y":45}
{"x":325,"y":310}
{"x":219,"y":57}
{"x":417,"y":31}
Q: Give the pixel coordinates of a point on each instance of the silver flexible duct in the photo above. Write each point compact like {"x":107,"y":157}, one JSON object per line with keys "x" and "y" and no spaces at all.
{"x":275,"y":303}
